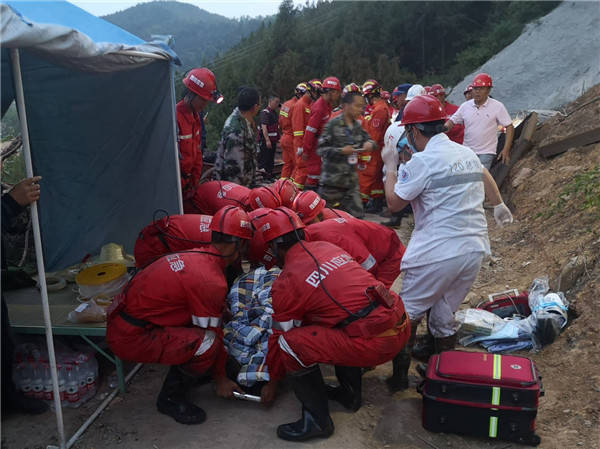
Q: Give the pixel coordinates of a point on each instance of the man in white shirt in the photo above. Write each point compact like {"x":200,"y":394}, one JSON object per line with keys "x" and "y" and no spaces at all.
{"x":445,"y":184}
{"x":481,"y":117}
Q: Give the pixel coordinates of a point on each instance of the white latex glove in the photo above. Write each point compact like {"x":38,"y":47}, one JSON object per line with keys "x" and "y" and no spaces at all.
{"x":502,"y":215}
{"x":300,"y":151}
{"x":391,"y":158}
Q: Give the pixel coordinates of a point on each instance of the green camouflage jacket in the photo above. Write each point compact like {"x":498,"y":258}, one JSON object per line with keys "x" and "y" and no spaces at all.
{"x":337,"y":169}
{"x":236,"y":154}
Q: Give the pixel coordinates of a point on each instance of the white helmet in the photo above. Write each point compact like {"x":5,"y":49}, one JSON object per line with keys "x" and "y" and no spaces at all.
{"x":414,"y":91}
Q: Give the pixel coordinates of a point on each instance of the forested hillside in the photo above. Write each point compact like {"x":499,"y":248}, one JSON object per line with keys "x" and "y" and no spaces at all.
{"x":393,"y":42}
{"x":199,"y":35}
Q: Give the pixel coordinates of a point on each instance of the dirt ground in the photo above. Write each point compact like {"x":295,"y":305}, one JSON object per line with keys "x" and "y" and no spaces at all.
{"x":550,"y":236}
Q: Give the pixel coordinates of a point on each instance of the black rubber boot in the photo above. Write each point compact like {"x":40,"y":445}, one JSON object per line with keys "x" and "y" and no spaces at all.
{"x":349,"y":392}
{"x":315,"y":422}
{"x":445,"y":343}
{"x":395,"y":221}
{"x":375,"y":205}
{"x":424,"y":348}
{"x":172,"y":402}
{"x":401,"y":363}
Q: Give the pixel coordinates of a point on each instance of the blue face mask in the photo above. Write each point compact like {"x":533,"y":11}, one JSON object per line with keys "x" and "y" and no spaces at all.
{"x":410,"y":145}
{"x":404,"y":145}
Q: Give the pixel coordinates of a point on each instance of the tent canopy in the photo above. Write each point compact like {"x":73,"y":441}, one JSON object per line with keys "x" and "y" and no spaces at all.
{"x":100,"y":111}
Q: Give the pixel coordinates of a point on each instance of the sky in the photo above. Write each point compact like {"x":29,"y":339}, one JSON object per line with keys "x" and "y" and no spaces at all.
{"x":227,"y":8}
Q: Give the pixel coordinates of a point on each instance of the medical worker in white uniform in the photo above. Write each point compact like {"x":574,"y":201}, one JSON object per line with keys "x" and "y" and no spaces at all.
{"x":444,"y":183}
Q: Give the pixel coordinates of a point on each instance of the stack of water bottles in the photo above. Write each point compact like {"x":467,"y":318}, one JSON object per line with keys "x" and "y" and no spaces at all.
{"x":77,"y":375}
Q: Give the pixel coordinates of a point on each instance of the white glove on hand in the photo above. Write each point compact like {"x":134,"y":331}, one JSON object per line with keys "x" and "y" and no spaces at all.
{"x":300,"y":151}
{"x":502,"y":215}
{"x":391,"y":159}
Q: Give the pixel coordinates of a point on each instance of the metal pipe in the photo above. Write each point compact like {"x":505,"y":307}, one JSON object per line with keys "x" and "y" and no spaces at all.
{"x":39,"y":255}
{"x":101,"y":407}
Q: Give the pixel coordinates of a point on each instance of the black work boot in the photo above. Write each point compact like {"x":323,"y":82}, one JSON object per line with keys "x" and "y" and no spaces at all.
{"x":315,"y":422}
{"x":424,"y":348}
{"x":375,"y":205}
{"x":401,"y":363}
{"x":445,"y":344}
{"x":349,"y":392}
{"x":395,"y":221}
{"x":172,"y":402}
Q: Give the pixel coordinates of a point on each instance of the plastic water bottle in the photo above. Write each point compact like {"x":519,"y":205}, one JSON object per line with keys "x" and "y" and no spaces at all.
{"x":81,"y":374}
{"x":62,"y":385}
{"x":72,"y":388}
{"x":48,"y":388}
{"x":25,"y":379}
{"x":37,"y":386}
{"x":91,"y":376}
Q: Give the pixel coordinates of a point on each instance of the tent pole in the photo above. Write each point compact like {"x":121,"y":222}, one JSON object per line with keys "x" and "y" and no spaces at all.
{"x":174,"y":114}
{"x":20,"y":98}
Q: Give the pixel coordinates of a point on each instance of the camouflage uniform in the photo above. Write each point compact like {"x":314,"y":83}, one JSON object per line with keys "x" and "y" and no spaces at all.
{"x":339,"y":179}
{"x":236,"y":154}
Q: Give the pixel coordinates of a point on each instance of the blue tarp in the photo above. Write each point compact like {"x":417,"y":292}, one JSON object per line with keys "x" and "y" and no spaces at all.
{"x":101,"y":126}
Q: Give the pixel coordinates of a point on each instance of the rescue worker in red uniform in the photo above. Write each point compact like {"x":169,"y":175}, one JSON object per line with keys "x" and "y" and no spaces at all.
{"x":320,"y":113}
{"x":370,"y":175}
{"x":287,"y":191}
{"x":201,"y":87}
{"x":300,"y":116}
{"x":287,"y":136}
{"x":214,"y":195}
{"x":375,"y":247}
{"x":170,"y":313}
{"x":457,"y":133}
{"x":328,"y":309}
{"x":171,"y":234}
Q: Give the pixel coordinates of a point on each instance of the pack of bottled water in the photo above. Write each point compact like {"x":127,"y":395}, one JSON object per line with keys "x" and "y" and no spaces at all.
{"x":77,"y":374}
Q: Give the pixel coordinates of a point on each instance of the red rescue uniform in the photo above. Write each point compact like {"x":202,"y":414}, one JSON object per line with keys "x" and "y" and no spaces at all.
{"x":375,"y":247}
{"x":170,"y":313}
{"x":457,"y":133}
{"x":328,"y":213}
{"x":189,"y":137}
{"x":171,"y":234}
{"x":299,"y":299}
{"x":213,"y":195}
{"x":370,"y":177}
{"x":287,"y":138}
{"x":300,"y":116}
{"x":320,"y":112}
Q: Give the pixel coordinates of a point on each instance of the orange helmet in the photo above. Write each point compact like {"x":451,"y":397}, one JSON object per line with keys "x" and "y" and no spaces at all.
{"x":315,"y":85}
{"x":264,"y":196}
{"x":482,"y":80}
{"x":438,"y":89}
{"x":307,"y":205}
{"x":278,"y":222}
{"x":203,"y":83}
{"x":287,"y":191}
{"x":331,"y":82}
{"x":352,"y":87}
{"x":423,"y":109}
{"x":371,"y":87}
{"x":233,"y":221}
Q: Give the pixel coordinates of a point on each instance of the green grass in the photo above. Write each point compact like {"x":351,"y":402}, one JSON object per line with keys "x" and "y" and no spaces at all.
{"x":583,"y":192}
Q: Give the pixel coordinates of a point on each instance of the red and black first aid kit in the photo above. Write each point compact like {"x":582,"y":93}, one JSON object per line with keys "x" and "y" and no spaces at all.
{"x":508,"y":304}
{"x":482,"y":394}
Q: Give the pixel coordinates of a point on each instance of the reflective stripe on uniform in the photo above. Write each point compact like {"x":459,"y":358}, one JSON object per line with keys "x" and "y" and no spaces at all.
{"x":497,"y":374}
{"x":298,"y":133}
{"x":365,"y":158}
{"x":495,"y":395}
{"x":207,"y":342}
{"x":184,"y":136}
{"x":283,"y":113}
{"x":493,"y":431}
{"x":286,"y":348}
{"x":206,"y":321}
{"x":286,"y":325}
{"x":313,"y":176}
{"x":311,"y":129}
{"x":369,"y":262}
{"x":307,"y":110}
{"x":456,"y":180}
{"x":377,"y":192}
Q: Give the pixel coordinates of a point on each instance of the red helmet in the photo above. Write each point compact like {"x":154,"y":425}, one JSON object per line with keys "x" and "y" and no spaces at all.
{"x":469,"y":88}
{"x":232,"y":220}
{"x":264,"y":196}
{"x":331,"y":82}
{"x":307,"y":205}
{"x":259,"y":251}
{"x":438,"y":89}
{"x":315,"y":85}
{"x":371,"y":87}
{"x":385,"y":95}
{"x":202,"y":82}
{"x":427,"y":89}
{"x":423,"y":109}
{"x":352,"y":87}
{"x":278,"y":222}
{"x":301,"y":88}
{"x":482,"y":80}
{"x":287,"y":191}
